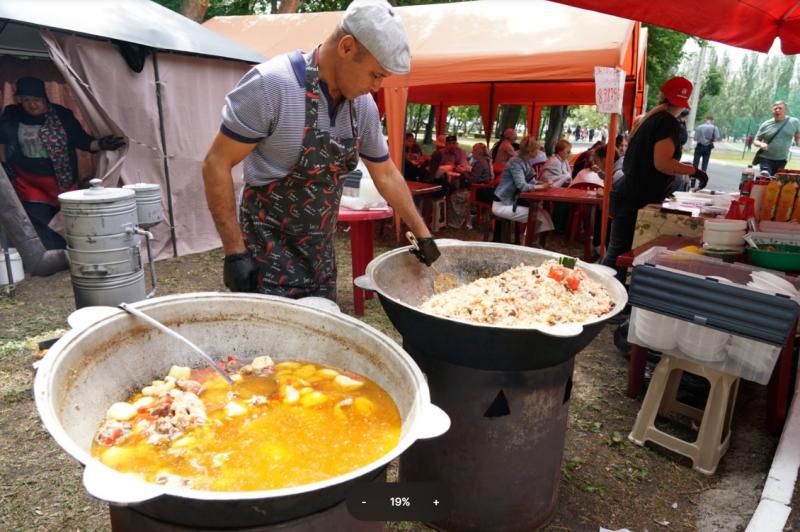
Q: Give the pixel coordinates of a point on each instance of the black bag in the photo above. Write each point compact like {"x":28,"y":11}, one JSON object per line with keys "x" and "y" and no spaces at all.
{"x":757,"y":156}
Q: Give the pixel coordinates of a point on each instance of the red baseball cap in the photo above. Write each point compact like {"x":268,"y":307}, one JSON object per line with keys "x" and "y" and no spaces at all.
{"x":677,"y":91}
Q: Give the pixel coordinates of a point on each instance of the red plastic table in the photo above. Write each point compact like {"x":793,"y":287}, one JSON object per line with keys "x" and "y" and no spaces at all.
{"x":779,"y":383}
{"x":424,"y":191}
{"x":562,"y":195}
{"x":361,"y":245}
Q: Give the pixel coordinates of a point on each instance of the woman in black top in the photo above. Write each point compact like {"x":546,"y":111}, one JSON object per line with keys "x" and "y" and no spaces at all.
{"x":649,"y":166}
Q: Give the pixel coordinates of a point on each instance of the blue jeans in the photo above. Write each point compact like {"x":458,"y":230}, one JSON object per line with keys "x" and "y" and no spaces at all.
{"x":704,"y":151}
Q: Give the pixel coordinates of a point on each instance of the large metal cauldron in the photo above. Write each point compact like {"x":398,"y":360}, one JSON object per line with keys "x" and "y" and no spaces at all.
{"x":89,"y":369}
{"x":506,"y":390}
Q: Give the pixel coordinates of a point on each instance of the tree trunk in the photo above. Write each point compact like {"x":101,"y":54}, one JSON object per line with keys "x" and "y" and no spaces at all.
{"x":507,"y":118}
{"x":429,"y":126}
{"x":289,"y":6}
{"x":273,"y":7}
{"x":558,"y":115}
{"x":194,"y":9}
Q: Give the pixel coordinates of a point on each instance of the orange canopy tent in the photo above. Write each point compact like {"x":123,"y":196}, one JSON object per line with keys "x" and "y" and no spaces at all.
{"x":487,"y":53}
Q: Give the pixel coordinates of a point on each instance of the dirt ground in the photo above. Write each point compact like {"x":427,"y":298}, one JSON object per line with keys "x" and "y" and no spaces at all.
{"x":607,"y":481}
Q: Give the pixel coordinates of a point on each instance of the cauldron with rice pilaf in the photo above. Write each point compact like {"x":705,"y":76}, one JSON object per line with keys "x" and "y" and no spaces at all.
{"x":505,"y":389}
{"x":92,"y":367}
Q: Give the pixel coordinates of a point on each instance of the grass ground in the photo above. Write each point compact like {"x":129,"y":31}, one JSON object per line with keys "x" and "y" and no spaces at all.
{"x":606,"y":480}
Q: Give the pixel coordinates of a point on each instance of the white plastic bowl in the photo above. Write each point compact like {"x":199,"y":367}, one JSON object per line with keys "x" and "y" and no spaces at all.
{"x":715,"y":238}
{"x":723,"y":224}
{"x":702,"y":343}
{"x":655,"y":330}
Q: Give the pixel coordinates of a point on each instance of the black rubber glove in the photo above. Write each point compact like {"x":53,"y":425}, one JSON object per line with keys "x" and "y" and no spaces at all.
{"x":428,"y":251}
{"x":701,"y":177}
{"x":111,"y":143}
{"x":240,"y":272}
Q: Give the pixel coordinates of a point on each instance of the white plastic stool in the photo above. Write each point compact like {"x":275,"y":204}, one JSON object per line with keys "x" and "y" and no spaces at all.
{"x":714,"y":434}
{"x":439,"y":214}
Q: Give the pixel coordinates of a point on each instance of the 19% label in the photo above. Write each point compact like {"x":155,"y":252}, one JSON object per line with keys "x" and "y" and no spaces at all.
{"x":399,"y":501}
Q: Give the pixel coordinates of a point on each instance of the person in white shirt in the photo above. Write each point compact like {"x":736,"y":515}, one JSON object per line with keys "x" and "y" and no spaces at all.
{"x":556,"y":170}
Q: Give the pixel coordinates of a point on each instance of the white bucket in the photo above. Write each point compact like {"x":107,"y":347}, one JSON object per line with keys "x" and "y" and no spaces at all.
{"x":17,"y":273}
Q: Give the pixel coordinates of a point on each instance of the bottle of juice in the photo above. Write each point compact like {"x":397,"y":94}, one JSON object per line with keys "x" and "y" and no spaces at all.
{"x":770,"y":200}
{"x":757,"y":193}
{"x":796,"y":210}
{"x":786,"y":199}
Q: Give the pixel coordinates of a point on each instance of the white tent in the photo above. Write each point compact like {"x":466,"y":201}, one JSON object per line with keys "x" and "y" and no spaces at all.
{"x":137,"y":69}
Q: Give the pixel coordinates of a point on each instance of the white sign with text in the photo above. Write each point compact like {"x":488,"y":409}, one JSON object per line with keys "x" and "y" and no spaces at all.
{"x":609,"y":87}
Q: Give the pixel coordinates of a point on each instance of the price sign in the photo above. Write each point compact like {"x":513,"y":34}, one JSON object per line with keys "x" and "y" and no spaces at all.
{"x":609,"y":86}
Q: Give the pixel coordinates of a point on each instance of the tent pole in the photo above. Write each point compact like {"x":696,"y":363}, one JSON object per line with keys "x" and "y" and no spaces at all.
{"x":164,"y":157}
{"x":491,"y":115}
{"x":608,"y":180}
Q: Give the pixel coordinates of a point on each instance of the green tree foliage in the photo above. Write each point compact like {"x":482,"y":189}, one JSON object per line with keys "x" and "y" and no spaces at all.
{"x":711,"y":86}
{"x":747,"y":92}
{"x":664,"y":53}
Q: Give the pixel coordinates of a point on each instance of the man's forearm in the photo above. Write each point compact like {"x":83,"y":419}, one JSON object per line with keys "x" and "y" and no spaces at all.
{"x":222,"y":204}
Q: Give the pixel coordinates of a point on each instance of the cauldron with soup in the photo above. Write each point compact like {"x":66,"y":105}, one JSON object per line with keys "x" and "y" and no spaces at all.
{"x":114,"y":358}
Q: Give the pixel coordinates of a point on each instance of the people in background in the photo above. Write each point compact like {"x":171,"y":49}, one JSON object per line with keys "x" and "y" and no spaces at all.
{"x":650,"y":166}
{"x":518,"y":176}
{"x":481,"y":164}
{"x":38,"y":140}
{"x":774,"y":138}
{"x":504,"y":150}
{"x":556,"y":170}
{"x":705,"y":135}
{"x":582,"y":159}
{"x":748,"y":142}
{"x":414,"y":161}
{"x":621,"y":143}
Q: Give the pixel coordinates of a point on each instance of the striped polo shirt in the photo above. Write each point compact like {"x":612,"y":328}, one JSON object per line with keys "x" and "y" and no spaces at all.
{"x":267,"y":108}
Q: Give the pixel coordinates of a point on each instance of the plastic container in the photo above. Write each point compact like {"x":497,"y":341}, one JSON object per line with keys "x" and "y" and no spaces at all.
{"x":725,"y":225}
{"x":717,"y":239}
{"x":751,"y":360}
{"x":783,"y":212}
{"x":770,"y":200}
{"x":352,"y":184}
{"x":702,"y":343}
{"x":653,"y":330}
{"x":17,"y":273}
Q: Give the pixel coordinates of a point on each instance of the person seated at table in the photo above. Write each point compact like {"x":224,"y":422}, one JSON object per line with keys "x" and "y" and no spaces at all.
{"x":481,"y":171}
{"x":519,"y":176}
{"x":621,"y":143}
{"x":504,"y":150}
{"x":437,"y":173}
{"x":414,"y":160}
{"x":556,"y":170}
{"x":581,"y":162}
{"x":454,"y":161}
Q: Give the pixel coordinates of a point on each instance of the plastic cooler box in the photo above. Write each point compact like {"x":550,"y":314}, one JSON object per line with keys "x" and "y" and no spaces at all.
{"x":700,"y":309}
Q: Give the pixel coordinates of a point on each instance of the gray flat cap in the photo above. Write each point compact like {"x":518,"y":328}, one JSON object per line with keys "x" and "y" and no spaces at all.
{"x":376,"y":25}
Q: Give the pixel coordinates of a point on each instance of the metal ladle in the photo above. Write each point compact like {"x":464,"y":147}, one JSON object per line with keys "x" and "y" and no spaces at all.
{"x":163,"y":328}
{"x":442,"y":282}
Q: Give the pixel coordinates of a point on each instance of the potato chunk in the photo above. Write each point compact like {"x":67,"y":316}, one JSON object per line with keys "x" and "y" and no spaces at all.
{"x":346,"y":383}
{"x":313,"y":399}
{"x":180,"y":372}
{"x":121,"y":411}
{"x":262,"y":362}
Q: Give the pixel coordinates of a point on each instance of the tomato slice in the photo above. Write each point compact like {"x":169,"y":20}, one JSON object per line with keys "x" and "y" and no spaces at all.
{"x":573,"y":282}
{"x":557,"y":273}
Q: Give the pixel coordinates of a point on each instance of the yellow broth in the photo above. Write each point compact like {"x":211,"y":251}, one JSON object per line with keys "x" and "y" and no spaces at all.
{"x":302,"y":427}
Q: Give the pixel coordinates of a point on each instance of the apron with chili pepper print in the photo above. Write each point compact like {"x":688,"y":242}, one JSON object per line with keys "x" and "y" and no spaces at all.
{"x":289,"y":224}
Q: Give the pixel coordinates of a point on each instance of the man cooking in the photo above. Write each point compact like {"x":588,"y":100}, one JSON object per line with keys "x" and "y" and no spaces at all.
{"x":300,"y":122}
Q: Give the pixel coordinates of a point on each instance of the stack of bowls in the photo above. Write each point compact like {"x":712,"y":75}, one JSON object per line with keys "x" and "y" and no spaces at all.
{"x":723,"y":235}
{"x":702,"y":343}
{"x":655,"y":330}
